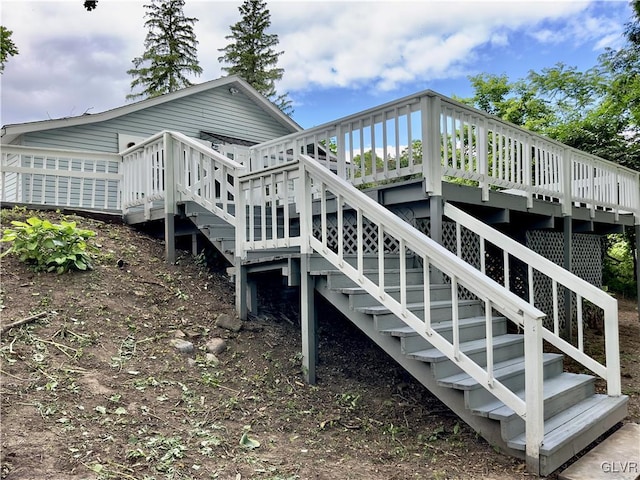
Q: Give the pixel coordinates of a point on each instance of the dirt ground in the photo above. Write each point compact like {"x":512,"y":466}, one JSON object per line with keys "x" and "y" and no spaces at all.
{"x":95,"y":390}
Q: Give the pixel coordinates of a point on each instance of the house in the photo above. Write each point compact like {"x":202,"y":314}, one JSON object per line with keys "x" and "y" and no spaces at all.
{"x":462,"y":251}
{"x":225,"y":113}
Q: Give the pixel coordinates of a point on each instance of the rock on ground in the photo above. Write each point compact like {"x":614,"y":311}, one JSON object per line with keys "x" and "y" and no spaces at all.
{"x":228,"y":322}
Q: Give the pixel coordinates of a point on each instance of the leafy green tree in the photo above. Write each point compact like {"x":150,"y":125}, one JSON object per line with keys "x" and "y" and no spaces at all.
{"x":367,"y":167}
{"x":515,"y":102}
{"x":624,"y":67}
{"x":90,"y":4}
{"x":597,"y":111}
{"x":619,"y":265}
{"x":252,"y":55}
{"x":7,"y":47}
{"x":171,"y":51}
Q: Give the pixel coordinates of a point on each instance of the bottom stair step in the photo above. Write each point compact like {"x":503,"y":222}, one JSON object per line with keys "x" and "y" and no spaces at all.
{"x":575,"y":421}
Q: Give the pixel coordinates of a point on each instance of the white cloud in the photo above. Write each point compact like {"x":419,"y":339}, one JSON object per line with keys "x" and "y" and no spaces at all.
{"x":397,"y":42}
{"x":590,"y":26}
{"x":72,"y":60}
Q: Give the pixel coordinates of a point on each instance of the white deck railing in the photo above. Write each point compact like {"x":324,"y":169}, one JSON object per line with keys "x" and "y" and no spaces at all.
{"x":439,"y":138}
{"x":60,"y":178}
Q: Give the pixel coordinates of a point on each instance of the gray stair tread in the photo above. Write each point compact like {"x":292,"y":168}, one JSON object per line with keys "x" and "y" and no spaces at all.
{"x":404,"y":331}
{"x":463,"y":381}
{"x":551,"y":387}
{"x":435,"y":355}
{"x":221,"y":225}
{"x":410,"y":288}
{"x":571,"y":422}
{"x":407,"y":331}
{"x":335,"y":271}
{"x":381,"y":309}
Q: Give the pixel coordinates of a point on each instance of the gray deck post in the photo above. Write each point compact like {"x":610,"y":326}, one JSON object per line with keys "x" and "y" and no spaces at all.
{"x":308,"y":319}
{"x":568,"y":246}
{"x":169,"y":201}
{"x":241,"y":289}
{"x":436,"y":211}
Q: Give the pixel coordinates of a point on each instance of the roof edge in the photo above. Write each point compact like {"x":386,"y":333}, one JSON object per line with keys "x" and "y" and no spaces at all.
{"x":12,"y":131}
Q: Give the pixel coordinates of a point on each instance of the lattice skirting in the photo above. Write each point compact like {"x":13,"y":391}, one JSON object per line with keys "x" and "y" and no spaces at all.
{"x":587,"y":255}
{"x":587,"y":261}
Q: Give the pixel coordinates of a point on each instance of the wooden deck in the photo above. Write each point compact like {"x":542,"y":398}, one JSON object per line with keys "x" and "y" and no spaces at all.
{"x":422,"y":247}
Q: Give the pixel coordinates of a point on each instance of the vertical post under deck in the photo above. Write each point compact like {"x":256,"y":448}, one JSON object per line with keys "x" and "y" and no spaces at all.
{"x":567,"y":246}
{"x":308,"y":320}
{"x":252,"y":296}
{"x":436,"y":212}
{"x":169,"y":200}
{"x":241,"y":290}
{"x":194,"y":244}
{"x":170,"y":237}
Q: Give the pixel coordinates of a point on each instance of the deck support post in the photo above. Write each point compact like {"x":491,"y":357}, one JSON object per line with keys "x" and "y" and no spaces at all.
{"x":170,"y":237}
{"x":252,"y":296}
{"x":436,"y":212}
{"x":309,"y":321}
{"x":194,"y":244}
{"x":567,"y":247}
{"x":169,"y":200}
{"x":241,"y":289}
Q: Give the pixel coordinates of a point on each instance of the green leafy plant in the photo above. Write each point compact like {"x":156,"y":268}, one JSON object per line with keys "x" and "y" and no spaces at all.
{"x":49,"y":246}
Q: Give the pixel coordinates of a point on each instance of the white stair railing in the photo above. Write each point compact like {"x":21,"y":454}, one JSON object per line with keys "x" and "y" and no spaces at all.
{"x":188,"y":168}
{"x":539,"y":268}
{"x":270,"y":195}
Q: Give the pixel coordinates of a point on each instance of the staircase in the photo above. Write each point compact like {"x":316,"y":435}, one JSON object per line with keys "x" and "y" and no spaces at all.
{"x":455,"y":330}
{"x":574,"y":414}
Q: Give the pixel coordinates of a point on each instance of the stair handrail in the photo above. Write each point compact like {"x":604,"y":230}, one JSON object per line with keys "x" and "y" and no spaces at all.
{"x":192,"y":170}
{"x":559,"y":276}
{"x":209,"y":179}
{"x":315,"y":178}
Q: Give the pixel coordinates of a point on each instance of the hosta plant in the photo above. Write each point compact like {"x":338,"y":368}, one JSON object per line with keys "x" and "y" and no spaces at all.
{"x":50,"y":247}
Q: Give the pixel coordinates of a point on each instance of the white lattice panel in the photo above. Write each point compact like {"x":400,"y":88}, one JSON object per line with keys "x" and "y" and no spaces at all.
{"x":586,"y":262}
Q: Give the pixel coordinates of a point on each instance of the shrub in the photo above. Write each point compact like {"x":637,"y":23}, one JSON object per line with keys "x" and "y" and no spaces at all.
{"x":47,"y":246}
{"x":619,"y":268}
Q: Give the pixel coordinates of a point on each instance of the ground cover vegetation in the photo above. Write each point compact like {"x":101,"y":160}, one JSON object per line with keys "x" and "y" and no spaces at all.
{"x":93,"y":386}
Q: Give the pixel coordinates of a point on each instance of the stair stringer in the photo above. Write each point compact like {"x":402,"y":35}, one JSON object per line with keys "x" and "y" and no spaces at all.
{"x":219,"y":233}
{"x":454,"y":399}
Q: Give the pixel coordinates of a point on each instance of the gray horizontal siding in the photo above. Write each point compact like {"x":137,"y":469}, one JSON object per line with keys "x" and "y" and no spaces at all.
{"x":212,"y":110}
{"x":10,"y":186}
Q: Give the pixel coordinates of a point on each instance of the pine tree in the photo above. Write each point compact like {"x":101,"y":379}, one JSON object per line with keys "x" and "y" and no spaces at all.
{"x":171,"y":51}
{"x":251,"y":53}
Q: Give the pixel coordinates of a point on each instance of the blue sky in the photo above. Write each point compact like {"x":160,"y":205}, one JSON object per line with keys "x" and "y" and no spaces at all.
{"x":339,"y":57}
